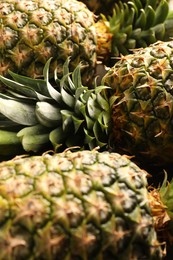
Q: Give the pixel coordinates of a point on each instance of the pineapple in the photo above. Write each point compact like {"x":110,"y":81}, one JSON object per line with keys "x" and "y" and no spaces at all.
{"x":142,"y":116}
{"x":33,"y":31}
{"x":130,"y":112}
{"x":75,"y":205}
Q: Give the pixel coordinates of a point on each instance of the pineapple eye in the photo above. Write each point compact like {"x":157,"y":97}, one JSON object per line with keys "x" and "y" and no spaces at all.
{"x":16,"y":19}
{"x":9,"y":38}
{"x":41,"y":17}
{"x":158,"y":53}
{"x":138,"y":62}
{"x":169,"y":84}
{"x":6,"y":8}
{"x":26,"y":6}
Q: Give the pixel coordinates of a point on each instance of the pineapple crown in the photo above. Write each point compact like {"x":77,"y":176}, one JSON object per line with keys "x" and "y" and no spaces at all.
{"x":166,"y":195}
{"x":34,"y":113}
{"x":137,"y":24}
{"x":161,"y":203}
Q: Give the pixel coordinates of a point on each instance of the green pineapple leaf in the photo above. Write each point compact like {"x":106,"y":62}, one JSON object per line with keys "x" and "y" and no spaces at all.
{"x":8,"y":138}
{"x":161,"y":12}
{"x":47,"y":114}
{"x":21,"y":113}
{"x":57,"y":137}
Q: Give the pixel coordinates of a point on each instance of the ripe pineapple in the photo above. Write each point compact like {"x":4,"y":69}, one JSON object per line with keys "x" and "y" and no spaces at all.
{"x":142,"y":116}
{"x":130,"y":112}
{"x":33,"y":31}
{"x":75,"y":205}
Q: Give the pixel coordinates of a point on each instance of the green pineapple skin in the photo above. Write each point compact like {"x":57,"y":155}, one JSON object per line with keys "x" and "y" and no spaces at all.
{"x":33,"y":31}
{"x":142,"y":114}
{"x":75,"y":205}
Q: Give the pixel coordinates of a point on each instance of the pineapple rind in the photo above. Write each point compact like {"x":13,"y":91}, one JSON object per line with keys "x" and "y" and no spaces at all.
{"x":75,"y":205}
{"x":142,"y":113}
{"x":32,"y":32}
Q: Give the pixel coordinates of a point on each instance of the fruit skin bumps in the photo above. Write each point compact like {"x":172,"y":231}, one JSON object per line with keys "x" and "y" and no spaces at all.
{"x":33,"y":31}
{"x":75,"y":205}
{"x":143,"y":111}
{"x":131,"y":111}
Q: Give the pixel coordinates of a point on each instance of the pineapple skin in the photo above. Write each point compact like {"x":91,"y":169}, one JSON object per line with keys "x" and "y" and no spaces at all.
{"x":142,"y":113}
{"x":75,"y":205}
{"x":33,"y":31}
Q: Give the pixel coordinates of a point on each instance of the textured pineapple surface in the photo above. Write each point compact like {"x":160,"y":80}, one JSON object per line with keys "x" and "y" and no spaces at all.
{"x":33,"y":31}
{"x":143,"y":113}
{"x":75,"y":205}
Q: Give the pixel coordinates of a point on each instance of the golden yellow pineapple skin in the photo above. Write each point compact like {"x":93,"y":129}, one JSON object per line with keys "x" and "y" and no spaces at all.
{"x":75,"y":205}
{"x":33,"y":31}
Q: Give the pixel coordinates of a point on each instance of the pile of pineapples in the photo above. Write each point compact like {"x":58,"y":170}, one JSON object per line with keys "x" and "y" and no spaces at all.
{"x":86,"y":155}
